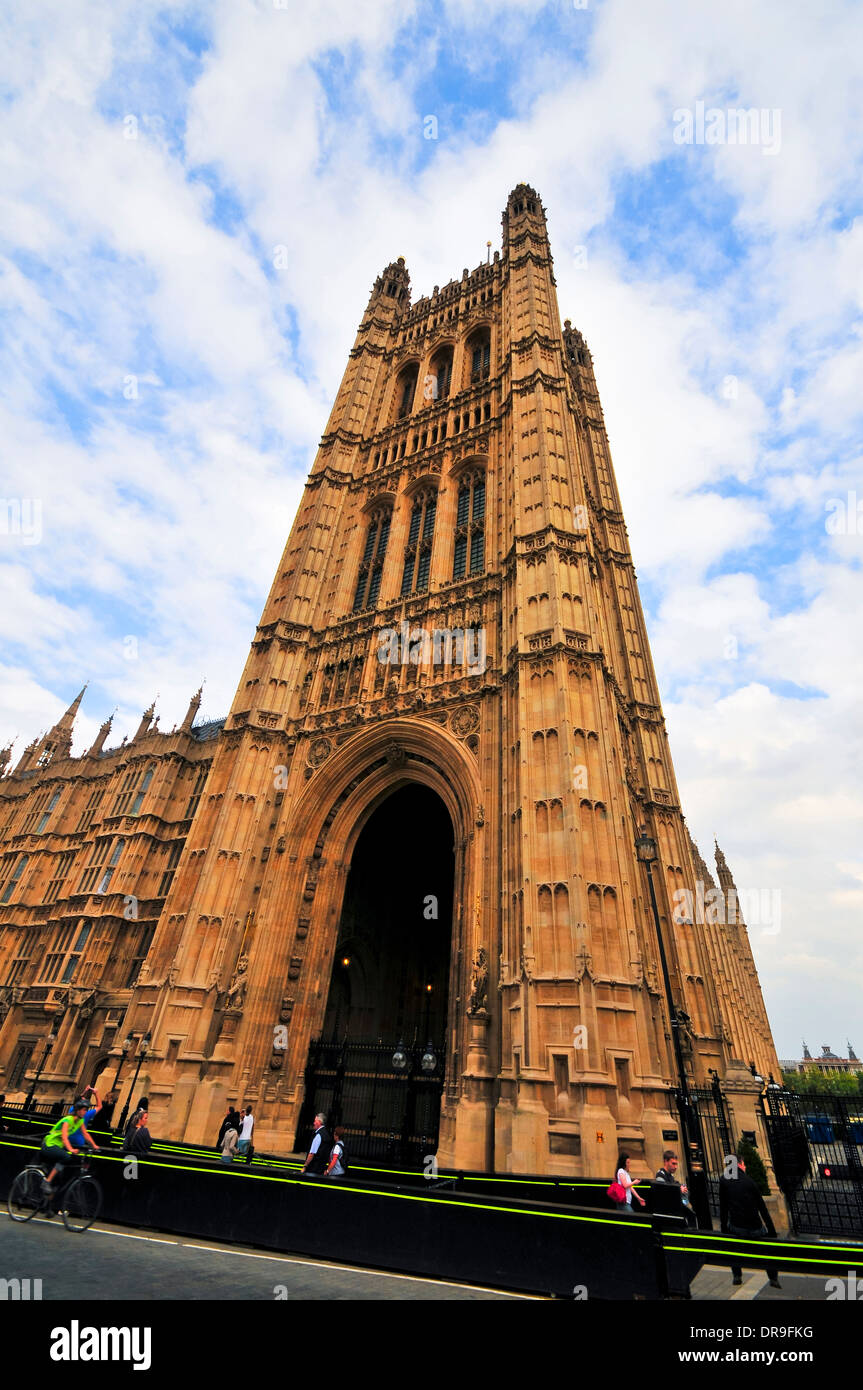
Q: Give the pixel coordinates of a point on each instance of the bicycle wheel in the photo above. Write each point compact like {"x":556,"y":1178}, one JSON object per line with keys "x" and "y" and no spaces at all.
{"x":25,"y":1195}
{"x":82,"y":1203}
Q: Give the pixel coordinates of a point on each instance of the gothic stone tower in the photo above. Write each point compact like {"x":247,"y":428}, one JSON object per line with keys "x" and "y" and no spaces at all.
{"x":455,"y":633}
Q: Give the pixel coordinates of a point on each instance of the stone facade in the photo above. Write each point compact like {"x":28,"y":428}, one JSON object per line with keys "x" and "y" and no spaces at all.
{"x":463,"y":486}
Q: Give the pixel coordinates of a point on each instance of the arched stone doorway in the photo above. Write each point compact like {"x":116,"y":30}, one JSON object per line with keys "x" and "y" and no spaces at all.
{"x":389,"y":986}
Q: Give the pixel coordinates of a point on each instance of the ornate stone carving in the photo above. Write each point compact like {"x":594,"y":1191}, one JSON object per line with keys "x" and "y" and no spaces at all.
{"x":319,"y":751}
{"x":478,"y":983}
{"x":395,"y":755}
{"x":86,"y":1009}
{"x":236,"y":996}
{"x":465,"y":720}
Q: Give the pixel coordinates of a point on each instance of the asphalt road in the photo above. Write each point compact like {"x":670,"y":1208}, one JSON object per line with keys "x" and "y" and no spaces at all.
{"x":110,"y":1263}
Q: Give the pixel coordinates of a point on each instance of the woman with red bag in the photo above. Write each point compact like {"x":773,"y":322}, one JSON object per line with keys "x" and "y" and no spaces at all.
{"x":622,"y":1190}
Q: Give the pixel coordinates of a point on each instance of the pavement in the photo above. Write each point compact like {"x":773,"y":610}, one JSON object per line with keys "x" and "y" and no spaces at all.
{"x":713,"y":1283}
{"x":112,"y":1263}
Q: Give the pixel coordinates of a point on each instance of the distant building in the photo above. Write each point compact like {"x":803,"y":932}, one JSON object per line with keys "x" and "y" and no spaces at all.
{"x":828,"y":1062}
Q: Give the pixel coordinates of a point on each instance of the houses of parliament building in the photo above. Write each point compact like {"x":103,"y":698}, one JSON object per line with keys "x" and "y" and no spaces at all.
{"x":404,"y":867}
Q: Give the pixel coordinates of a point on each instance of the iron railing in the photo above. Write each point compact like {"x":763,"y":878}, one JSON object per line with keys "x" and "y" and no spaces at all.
{"x":817,"y":1146}
{"x":387,"y":1112}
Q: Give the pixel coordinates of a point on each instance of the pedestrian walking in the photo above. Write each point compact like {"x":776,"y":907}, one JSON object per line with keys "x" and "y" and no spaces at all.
{"x":742,"y":1213}
{"x":245,"y":1141}
{"x":319,"y":1149}
{"x":625,"y":1184}
{"x":338,"y":1165}
{"x":231,"y":1121}
{"x":140,"y":1141}
{"x":136,"y":1122}
{"x":229,"y":1145}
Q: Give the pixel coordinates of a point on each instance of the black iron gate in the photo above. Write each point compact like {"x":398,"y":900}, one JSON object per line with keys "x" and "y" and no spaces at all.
{"x":817,"y":1147}
{"x":717,"y":1137}
{"x":387,"y":1096}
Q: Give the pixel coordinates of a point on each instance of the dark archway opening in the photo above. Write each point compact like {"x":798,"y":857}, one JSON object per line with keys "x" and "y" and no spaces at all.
{"x":391,"y":964}
{"x":389,"y":984}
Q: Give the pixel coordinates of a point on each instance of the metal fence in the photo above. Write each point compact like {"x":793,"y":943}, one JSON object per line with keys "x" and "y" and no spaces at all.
{"x":717,"y":1137}
{"x":817,"y":1147}
{"x":387,"y":1112}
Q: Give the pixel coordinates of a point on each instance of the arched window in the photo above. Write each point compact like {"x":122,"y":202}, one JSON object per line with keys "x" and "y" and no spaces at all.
{"x":10,"y":886}
{"x":405,"y":391}
{"x":64,"y":954}
{"x":46,"y":814}
{"x":105,"y":880}
{"x":479,"y":355}
{"x":372,"y":563}
{"x":141,"y":792}
{"x":415,"y":575}
{"x":470,"y":526}
{"x":441,"y":374}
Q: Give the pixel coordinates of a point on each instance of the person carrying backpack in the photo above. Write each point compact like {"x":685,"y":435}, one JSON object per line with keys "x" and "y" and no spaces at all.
{"x":338,"y":1165}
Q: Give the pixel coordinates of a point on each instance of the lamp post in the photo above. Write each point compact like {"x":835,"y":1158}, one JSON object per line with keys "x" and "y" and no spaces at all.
{"x":141,"y":1055}
{"x":690,"y":1130}
{"x":128,"y":1044}
{"x":49,"y":1045}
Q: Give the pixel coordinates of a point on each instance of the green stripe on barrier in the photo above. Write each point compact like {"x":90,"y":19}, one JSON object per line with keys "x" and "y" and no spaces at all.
{"x":787,"y":1255}
{"x":373,"y":1192}
{"x":797,"y":1245}
{"x":751,"y":1256}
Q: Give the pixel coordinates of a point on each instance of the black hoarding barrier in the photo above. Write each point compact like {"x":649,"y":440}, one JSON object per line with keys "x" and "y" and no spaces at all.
{"x":445,"y":1228}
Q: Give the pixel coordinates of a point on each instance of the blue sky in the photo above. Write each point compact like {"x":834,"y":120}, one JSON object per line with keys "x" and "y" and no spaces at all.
{"x":164,"y":376}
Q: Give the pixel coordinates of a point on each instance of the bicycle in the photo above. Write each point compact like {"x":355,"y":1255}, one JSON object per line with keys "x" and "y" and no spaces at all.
{"x":79,"y":1200}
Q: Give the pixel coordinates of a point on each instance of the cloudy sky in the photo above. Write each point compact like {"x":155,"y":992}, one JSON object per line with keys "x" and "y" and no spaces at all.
{"x":163,"y":384}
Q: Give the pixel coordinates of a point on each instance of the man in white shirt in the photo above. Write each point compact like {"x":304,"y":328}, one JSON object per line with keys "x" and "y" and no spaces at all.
{"x":247,"y":1125}
{"x":319,"y":1149}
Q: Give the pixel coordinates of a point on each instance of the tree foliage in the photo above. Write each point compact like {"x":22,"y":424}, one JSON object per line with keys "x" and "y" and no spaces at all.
{"x":754,"y":1166}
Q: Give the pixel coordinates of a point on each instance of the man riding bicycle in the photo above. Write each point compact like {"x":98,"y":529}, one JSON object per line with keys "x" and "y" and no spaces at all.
{"x":57,"y":1147}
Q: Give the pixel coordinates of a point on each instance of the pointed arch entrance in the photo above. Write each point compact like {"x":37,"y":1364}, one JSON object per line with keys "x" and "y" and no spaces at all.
{"x":377,"y":1067}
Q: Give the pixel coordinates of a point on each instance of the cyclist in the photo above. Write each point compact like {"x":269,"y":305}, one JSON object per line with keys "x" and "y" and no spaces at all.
{"x":77,"y":1137}
{"x":57,"y":1147}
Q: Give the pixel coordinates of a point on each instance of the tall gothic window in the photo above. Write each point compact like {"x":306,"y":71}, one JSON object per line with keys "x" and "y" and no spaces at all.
{"x":64,"y":956}
{"x":14,"y":880}
{"x":22,"y":954}
{"x":479,"y":355}
{"x":59,"y":874}
{"x":46,"y":814}
{"x":415,"y":575}
{"x":441,"y":374}
{"x":194,"y":799}
{"x":90,"y":809}
{"x":470,"y":527}
{"x":372,"y":563}
{"x":405,"y":391}
{"x":142,"y":791}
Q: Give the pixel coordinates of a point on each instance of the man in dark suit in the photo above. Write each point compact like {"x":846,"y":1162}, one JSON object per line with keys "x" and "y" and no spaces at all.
{"x":742,"y":1213}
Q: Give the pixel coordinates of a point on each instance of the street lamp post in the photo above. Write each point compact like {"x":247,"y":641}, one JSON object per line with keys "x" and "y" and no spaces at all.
{"x":128,"y":1044}
{"x":49,"y":1044}
{"x":141,"y":1055}
{"x":645,"y":848}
